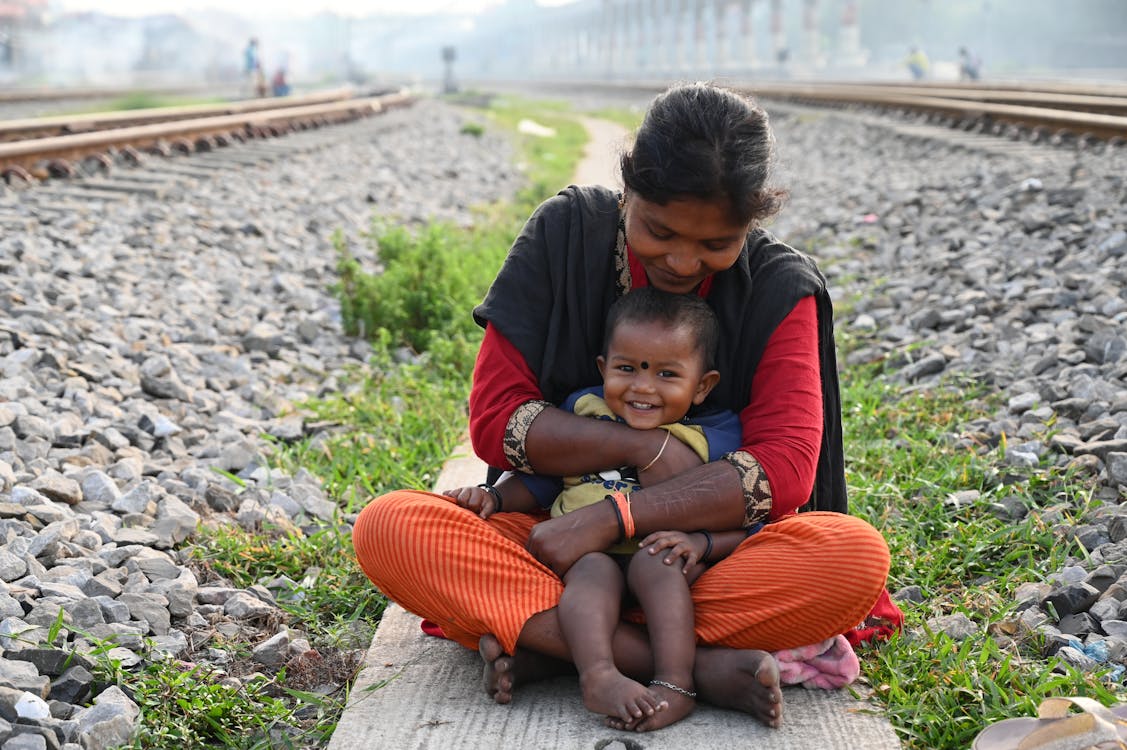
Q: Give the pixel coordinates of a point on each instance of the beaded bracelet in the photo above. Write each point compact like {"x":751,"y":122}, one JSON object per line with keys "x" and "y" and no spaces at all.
{"x":496,"y":493}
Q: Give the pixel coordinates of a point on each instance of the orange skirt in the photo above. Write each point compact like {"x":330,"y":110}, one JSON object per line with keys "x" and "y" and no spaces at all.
{"x":797,"y":581}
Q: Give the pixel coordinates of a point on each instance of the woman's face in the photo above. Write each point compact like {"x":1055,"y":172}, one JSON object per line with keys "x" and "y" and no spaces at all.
{"x":684,"y":241}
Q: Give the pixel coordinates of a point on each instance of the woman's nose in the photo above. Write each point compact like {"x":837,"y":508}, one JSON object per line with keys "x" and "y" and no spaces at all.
{"x":682,"y":262}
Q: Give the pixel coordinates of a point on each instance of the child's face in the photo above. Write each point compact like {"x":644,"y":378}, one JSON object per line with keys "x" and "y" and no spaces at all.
{"x":652,"y":374}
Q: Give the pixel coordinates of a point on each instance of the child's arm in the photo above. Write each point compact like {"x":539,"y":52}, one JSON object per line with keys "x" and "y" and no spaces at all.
{"x":513,"y":495}
{"x":706,"y":547}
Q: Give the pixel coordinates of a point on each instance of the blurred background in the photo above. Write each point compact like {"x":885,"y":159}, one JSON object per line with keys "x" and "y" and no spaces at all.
{"x":52,"y":43}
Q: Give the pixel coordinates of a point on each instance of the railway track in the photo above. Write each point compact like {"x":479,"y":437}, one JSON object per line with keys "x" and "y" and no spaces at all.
{"x":1082,"y":112}
{"x":35,"y":149}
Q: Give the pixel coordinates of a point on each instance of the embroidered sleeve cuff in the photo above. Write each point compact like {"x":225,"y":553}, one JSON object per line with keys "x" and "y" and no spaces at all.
{"x":757,"y":490}
{"x":516,"y":431}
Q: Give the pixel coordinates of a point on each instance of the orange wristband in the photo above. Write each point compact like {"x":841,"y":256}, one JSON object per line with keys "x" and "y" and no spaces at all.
{"x":622,"y":502}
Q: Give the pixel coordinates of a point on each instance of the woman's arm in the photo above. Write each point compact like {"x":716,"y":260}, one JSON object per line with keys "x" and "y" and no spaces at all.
{"x":781,"y":439}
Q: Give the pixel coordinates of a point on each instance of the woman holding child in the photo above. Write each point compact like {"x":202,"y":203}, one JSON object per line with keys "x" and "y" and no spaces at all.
{"x":687,"y":222}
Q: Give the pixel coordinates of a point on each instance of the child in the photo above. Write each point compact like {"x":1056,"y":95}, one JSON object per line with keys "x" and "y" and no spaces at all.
{"x":657,"y":364}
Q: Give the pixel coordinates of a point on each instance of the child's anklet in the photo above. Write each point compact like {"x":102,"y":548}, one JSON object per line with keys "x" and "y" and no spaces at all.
{"x":674,"y":688}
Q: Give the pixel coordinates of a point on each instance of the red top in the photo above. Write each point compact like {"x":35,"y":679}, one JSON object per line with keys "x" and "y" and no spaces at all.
{"x":782,"y":423}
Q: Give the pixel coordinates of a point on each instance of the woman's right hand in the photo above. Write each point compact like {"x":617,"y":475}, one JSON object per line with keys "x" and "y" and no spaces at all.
{"x":675,"y":459}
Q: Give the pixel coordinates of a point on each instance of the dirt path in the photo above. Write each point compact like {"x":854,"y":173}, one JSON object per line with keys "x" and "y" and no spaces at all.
{"x":599,"y":165}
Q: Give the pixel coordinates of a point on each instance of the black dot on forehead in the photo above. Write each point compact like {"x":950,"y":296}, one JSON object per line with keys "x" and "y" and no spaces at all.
{"x":645,"y":365}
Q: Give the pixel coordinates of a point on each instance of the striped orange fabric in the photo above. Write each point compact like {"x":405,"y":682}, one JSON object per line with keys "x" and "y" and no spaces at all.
{"x":798,"y":581}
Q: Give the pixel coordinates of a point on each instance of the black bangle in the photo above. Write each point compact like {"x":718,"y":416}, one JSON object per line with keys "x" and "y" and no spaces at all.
{"x":618,"y":517}
{"x":496,"y":496}
{"x":708,"y":549}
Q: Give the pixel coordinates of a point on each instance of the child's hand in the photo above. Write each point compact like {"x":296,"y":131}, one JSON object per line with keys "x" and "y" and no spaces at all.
{"x":478,"y":500}
{"x":680,"y":544}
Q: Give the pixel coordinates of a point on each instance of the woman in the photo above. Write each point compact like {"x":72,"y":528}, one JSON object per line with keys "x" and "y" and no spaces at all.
{"x":687,"y":222}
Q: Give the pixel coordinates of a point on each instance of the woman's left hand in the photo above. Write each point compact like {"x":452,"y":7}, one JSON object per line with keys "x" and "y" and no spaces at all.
{"x":559,"y":542}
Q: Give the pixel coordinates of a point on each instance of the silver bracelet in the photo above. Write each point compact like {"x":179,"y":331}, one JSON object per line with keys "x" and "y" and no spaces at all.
{"x":674,"y":688}
{"x":661,"y":450}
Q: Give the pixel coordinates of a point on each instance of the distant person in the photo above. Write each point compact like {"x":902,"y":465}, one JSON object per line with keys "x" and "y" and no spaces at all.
{"x":259,"y":83}
{"x":251,"y":66}
{"x":657,"y":367}
{"x":278,"y":84}
{"x":970,"y":66}
{"x":917,"y":62}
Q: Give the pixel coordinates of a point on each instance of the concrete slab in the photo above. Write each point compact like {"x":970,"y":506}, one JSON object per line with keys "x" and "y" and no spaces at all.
{"x":420,"y":692}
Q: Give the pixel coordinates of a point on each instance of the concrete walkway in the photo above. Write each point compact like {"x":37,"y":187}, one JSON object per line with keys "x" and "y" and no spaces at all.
{"x":416,"y":691}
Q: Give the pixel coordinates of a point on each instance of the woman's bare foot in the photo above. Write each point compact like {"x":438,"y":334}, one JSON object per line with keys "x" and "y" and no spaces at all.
{"x":502,"y":672}
{"x":677,"y":707}
{"x":744,"y":680}
{"x":609,"y":692}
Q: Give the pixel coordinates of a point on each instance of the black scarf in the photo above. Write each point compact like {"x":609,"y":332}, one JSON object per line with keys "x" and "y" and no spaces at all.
{"x":566,"y":268}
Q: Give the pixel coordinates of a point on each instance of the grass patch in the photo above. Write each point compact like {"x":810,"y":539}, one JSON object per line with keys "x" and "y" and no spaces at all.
{"x":389,"y":426}
{"x":143,"y":100}
{"x":904,"y":468}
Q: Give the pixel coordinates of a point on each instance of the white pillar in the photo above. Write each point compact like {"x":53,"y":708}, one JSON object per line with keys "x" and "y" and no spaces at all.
{"x":811,"y":39}
{"x":745,"y":46}
{"x":778,"y":32}
{"x":849,"y":40}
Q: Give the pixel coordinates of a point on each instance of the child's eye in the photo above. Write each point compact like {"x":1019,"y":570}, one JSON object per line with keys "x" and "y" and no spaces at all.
{"x":626,"y":368}
{"x":666,"y":374}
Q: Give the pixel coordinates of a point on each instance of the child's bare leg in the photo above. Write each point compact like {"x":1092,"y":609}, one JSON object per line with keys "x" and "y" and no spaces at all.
{"x":663,"y":591}
{"x":503,"y":672}
{"x":589,"y":612}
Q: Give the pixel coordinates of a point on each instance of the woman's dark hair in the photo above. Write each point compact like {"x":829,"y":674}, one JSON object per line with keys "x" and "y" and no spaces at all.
{"x":649,"y":304}
{"x":702,"y":141}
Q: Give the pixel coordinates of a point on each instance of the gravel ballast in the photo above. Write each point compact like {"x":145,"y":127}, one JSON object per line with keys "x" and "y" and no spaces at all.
{"x":146,"y":343}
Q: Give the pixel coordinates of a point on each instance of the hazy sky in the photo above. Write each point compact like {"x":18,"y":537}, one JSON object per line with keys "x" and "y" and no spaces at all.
{"x":284,"y":7}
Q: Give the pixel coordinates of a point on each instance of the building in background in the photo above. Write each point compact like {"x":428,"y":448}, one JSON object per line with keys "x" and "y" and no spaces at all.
{"x":18,"y":20}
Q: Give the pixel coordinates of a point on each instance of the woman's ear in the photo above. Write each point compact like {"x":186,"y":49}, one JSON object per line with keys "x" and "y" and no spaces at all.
{"x":707,"y":382}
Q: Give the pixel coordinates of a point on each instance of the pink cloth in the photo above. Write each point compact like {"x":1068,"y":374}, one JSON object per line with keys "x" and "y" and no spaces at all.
{"x":827,"y":665}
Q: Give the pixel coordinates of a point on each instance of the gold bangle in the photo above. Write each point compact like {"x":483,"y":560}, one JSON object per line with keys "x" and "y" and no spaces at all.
{"x":658,"y":456}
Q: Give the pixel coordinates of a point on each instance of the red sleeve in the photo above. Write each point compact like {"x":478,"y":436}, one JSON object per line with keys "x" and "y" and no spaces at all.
{"x":782,"y":425}
{"x":502,"y":381}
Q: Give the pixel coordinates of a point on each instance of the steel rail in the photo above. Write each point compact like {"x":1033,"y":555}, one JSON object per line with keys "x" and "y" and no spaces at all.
{"x":1081,"y":123}
{"x":41,"y":127}
{"x":1074,"y":102}
{"x":55,"y":94}
{"x":28,"y":157}
{"x":961,"y":110}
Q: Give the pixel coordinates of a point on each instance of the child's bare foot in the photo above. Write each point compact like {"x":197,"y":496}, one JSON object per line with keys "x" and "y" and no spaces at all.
{"x":607,"y":691}
{"x":503,"y":672}
{"x":678,"y":706}
{"x":744,"y":680}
